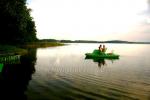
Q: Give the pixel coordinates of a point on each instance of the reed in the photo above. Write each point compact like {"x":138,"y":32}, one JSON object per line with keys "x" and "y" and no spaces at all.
{"x":23,"y":49}
{"x":42,"y":44}
{"x":11,"y":50}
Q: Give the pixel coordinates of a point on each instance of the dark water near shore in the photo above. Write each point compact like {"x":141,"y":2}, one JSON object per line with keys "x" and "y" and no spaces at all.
{"x":63,"y":73}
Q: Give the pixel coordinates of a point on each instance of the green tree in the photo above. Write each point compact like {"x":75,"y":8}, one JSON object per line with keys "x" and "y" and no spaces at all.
{"x":16,"y":24}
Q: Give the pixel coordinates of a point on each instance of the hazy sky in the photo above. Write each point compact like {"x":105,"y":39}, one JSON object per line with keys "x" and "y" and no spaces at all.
{"x":92,"y":19}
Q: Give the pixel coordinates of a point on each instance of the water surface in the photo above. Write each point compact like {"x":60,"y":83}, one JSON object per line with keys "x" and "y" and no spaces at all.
{"x":63,"y":73}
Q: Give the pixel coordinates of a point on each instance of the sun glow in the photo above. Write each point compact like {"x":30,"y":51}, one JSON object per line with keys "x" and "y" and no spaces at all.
{"x":87,"y":19}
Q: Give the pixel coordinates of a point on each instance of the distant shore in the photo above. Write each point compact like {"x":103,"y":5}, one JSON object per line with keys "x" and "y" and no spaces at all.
{"x":111,"y":41}
{"x":93,"y":41}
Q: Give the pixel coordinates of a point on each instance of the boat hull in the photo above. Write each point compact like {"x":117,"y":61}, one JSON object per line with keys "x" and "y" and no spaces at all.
{"x":111,"y":56}
{"x":98,"y":54}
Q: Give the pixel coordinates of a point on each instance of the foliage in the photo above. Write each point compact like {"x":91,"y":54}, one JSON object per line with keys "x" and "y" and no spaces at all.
{"x":16,"y":24}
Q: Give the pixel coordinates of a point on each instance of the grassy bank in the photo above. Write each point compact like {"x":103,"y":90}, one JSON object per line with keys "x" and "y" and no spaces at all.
{"x":42,"y":44}
{"x":8,"y":49}
{"x":22,"y":49}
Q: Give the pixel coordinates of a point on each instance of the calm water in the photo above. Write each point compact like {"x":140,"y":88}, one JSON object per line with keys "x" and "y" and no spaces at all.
{"x":63,"y":73}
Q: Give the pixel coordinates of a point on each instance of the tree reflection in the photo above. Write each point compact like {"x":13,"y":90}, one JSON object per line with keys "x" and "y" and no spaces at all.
{"x":15,"y":78}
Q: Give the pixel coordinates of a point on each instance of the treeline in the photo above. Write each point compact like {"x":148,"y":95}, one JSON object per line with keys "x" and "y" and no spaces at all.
{"x":92,"y":41}
{"x":16,"y":24}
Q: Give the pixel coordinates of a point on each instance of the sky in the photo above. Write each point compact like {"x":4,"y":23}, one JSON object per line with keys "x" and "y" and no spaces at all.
{"x":100,"y":20}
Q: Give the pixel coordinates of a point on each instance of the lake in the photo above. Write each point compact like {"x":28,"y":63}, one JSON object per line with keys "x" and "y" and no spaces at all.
{"x":63,"y":73}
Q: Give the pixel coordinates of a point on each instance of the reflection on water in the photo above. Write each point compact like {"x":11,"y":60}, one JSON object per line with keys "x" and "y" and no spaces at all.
{"x":15,"y":77}
{"x":101,"y":61}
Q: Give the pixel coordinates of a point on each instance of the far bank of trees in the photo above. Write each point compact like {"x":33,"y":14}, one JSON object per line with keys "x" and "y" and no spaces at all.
{"x":16,"y":24}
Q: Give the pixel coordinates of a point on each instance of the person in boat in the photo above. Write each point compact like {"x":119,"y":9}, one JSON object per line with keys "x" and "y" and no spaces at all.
{"x":104,"y":48}
{"x":100,"y":48}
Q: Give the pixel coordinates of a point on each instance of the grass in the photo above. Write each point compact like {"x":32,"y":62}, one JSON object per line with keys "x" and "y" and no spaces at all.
{"x":8,"y":49}
{"x":22,"y":49}
{"x":42,"y":44}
